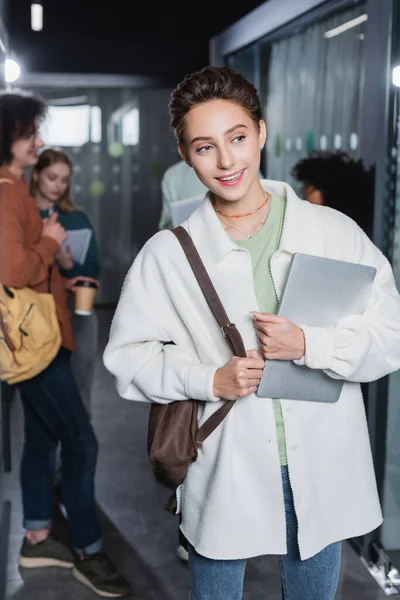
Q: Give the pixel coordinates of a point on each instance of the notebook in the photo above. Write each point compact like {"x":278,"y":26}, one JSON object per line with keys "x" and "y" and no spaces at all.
{"x":78,"y":240}
{"x":319,"y":292}
{"x":182,"y":209}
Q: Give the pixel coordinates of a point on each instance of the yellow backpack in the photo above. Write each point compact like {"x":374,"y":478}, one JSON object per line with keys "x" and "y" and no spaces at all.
{"x":30,"y":336}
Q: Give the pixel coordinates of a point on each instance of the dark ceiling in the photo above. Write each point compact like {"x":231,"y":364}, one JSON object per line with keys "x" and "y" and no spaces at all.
{"x":164,"y":39}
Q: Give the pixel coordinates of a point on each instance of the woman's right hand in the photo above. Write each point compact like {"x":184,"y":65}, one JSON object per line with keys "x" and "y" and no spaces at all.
{"x":53,"y":229}
{"x":65,"y":259}
{"x":240,"y":377}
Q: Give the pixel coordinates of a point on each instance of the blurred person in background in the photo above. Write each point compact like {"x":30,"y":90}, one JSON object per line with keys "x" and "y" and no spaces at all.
{"x":336,"y":180}
{"x":51,"y":188}
{"x":179,"y":182}
{"x":53,"y":410}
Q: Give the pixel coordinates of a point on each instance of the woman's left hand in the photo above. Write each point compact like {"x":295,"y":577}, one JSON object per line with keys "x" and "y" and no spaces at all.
{"x":70,"y":284}
{"x":279,"y":338}
{"x":65,"y":259}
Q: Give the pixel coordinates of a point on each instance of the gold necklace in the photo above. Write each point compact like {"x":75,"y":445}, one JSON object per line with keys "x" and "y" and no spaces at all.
{"x":248,"y":235}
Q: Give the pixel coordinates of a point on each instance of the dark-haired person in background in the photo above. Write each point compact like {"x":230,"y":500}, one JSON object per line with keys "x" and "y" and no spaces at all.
{"x":336,"y":180}
{"x":53,"y":409}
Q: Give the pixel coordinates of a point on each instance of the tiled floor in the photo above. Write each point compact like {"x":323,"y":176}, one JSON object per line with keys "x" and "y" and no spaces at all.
{"x":140,"y":536}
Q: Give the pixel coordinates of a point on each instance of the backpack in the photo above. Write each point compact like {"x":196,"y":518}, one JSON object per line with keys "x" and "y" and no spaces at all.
{"x":173,"y":436}
{"x":30,"y":336}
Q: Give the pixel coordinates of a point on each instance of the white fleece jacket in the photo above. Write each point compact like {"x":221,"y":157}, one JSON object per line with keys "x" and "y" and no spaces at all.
{"x":232,"y":499}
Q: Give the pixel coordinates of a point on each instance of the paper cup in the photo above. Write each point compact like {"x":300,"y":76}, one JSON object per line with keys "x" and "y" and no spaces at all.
{"x":84,"y":297}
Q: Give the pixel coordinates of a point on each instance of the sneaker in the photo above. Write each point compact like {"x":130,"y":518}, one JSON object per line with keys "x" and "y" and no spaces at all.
{"x":49,"y":553}
{"x":182,"y":553}
{"x":99,"y":574}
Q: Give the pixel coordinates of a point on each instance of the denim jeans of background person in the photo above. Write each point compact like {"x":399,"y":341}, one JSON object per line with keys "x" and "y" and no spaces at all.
{"x":53,"y":411}
{"x":83,"y":366}
{"x":316,"y":578}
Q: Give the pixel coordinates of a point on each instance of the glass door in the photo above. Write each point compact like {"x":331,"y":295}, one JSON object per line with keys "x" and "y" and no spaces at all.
{"x":390,"y":533}
{"x":380,"y":550}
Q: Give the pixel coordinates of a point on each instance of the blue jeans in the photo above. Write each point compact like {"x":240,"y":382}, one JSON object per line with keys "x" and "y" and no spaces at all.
{"x":316,"y":578}
{"x":54,"y":413}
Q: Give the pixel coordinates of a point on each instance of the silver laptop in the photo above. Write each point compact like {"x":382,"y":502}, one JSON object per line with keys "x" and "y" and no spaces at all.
{"x":182,"y":209}
{"x":319,"y":292}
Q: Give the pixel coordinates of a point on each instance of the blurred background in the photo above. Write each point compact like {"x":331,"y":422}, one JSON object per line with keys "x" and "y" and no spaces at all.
{"x":328,"y":73}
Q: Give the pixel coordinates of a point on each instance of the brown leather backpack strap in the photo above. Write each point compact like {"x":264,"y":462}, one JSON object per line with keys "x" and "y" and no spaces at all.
{"x":228,"y":329}
{"x":212,"y":422}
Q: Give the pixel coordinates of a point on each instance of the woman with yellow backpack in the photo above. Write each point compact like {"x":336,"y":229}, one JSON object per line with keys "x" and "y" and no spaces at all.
{"x":53,"y":409}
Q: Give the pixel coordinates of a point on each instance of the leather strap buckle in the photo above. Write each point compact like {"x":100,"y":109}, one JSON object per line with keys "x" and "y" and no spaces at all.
{"x":224,"y":327}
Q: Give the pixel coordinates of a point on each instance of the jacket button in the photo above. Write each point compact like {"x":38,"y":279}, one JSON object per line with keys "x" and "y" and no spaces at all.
{"x":294,"y":447}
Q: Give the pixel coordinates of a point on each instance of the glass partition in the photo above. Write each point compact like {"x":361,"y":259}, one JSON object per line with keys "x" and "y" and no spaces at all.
{"x":313,"y":91}
{"x":390,"y":534}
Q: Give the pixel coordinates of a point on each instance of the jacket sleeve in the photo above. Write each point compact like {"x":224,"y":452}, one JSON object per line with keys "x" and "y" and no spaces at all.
{"x":143,"y":354}
{"x":366,"y":347}
{"x":21,"y":266}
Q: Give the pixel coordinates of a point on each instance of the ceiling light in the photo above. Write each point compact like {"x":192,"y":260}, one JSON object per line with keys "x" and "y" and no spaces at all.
{"x":37,"y":17}
{"x":396,"y":76}
{"x":11,"y":70}
{"x":348,"y":25}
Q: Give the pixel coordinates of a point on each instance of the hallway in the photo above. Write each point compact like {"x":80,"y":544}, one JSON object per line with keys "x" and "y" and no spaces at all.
{"x":139,"y":535}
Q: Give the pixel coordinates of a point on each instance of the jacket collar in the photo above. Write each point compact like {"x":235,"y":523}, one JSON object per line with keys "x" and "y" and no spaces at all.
{"x":213,"y":242}
{"x":5,"y":173}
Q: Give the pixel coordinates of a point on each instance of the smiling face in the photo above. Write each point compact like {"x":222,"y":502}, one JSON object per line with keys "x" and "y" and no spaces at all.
{"x":222,"y":143}
{"x":24,"y":150}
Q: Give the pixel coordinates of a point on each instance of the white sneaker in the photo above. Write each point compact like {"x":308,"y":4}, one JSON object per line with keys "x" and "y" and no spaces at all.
{"x":182,"y":553}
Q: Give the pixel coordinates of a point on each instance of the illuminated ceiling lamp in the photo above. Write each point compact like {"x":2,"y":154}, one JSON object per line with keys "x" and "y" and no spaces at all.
{"x":346,"y":26}
{"x":12,"y":70}
{"x":37,"y":17}
{"x":396,"y":76}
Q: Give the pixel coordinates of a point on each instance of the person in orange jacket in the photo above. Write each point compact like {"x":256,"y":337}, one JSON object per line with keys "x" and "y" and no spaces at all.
{"x":52,"y":406}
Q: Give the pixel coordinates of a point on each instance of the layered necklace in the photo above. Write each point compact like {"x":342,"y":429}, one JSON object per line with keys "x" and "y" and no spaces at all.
{"x":260,"y":222}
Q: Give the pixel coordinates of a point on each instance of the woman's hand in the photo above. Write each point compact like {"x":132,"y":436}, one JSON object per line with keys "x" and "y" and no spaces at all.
{"x":240,"y":377}
{"x":65,"y":259}
{"x":279,"y":338}
{"x":70,"y":284}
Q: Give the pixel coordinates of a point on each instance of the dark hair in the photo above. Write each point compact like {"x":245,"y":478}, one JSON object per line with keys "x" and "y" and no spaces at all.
{"x":47,"y":158}
{"x":344,"y":182}
{"x":212,"y":83}
{"x":18,"y":112}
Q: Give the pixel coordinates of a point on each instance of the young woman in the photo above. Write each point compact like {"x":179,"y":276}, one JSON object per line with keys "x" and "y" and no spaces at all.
{"x":53,"y":409}
{"x":51,"y":188}
{"x":277,"y":477}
